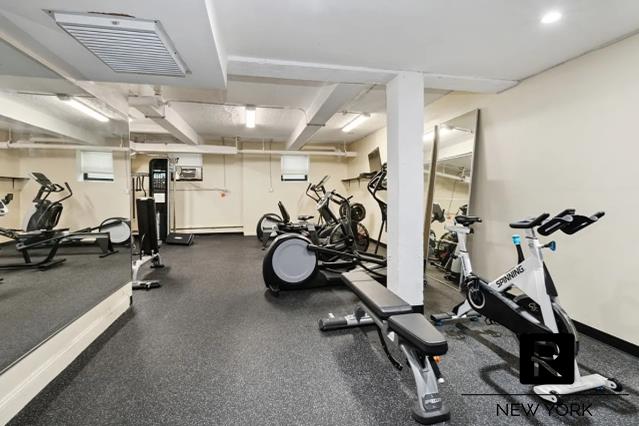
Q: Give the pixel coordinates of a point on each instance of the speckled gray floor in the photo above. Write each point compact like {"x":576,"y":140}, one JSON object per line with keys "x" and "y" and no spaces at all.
{"x":34,"y":304}
{"x":211,"y":347}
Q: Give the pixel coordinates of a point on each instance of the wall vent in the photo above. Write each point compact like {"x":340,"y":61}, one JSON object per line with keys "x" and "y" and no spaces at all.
{"x":126,"y":45}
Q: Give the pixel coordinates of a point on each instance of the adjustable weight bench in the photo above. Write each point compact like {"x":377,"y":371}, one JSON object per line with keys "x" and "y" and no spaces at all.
{"x":397,"y":324}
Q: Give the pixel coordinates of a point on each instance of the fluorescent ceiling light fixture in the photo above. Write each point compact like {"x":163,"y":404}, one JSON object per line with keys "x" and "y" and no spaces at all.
{"x":250,"y":116}
{"x":355,"y":122}
{"x":84,"y":109}
{"x":124,"y":44}
{"x":551,"y":17}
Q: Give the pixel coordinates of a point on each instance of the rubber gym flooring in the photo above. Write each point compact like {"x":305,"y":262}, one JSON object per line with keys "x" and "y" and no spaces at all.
{"x":212,"y":347}
{"x":36,"y":304}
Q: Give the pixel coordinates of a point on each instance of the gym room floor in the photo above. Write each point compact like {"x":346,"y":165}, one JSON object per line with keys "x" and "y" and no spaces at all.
{"x":212,"y":347}
{"x":36,"y":304}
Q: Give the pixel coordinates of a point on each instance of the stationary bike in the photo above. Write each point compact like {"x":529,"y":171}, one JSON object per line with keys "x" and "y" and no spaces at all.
{"x":537,"y":310}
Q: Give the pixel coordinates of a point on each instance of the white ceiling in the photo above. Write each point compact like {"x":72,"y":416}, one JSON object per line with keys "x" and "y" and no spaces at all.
{"x":470,"y":39}
{"x":188,"y":24}
{"x":280,"y":107}
{"x":488,"y":38}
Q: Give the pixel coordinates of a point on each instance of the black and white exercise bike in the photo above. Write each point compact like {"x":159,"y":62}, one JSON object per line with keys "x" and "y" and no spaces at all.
{"x":537,"y":310}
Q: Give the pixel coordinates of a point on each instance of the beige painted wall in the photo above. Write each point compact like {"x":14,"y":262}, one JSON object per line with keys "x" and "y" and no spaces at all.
{"x":450,"y":195}
{"x":262,"y":191}
{"x":564,"y":138}
{"x":202,"y":205}
{"x":9,"y":166}
{"x":255,"y":188}
{"x":91,"y":203}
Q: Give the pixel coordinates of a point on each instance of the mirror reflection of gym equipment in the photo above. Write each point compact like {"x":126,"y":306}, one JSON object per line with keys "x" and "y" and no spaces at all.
{"x":450,"y":148}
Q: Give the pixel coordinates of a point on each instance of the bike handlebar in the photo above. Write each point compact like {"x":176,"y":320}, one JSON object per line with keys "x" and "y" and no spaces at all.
{"x":567,"y":221}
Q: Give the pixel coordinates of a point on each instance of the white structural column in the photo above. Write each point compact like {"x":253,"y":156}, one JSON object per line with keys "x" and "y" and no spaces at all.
{"x":405,"y":126}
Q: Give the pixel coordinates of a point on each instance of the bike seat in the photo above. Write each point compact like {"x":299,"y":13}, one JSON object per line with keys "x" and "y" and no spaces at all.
{"x":305,"y":217}
{"x":530,"y":223}
{"x":467,"y":220}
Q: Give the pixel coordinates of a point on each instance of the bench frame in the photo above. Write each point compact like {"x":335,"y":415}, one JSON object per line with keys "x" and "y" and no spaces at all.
{"x":429,"y":407}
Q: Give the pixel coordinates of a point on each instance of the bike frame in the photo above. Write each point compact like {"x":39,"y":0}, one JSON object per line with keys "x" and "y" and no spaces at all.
{"x":528,"y":276}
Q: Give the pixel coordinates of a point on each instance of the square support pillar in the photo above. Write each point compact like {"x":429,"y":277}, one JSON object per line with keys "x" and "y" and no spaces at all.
{"x":405,"y":133}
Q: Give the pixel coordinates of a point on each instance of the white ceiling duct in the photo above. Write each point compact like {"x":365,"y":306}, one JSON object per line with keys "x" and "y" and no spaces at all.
{"x":124,"y":44}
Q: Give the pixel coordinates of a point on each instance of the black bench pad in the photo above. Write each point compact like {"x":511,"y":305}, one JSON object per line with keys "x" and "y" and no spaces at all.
{"x":380,"y":300}
{"x":419,"y":332}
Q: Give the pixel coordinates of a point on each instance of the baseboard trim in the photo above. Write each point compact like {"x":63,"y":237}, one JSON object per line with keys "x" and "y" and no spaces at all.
{"x":609,"y":339}
{"x":204,"y":230}
{"x":20,"y":383}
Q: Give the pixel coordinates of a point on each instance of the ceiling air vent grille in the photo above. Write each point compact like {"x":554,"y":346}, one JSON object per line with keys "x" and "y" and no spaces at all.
{"x":126,"y":45}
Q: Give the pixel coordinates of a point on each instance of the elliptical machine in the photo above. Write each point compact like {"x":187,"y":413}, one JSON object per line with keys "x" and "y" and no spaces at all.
{"x":293,"y":260}
{"x":537,"y":309}
{"x":45,"y":213}
{"x":379,"y":183}
{"x":271,"y":224}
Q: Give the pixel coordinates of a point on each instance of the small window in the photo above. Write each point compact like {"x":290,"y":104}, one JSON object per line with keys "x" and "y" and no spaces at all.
{"x":95,"y":166}
{"x":295,"y":167}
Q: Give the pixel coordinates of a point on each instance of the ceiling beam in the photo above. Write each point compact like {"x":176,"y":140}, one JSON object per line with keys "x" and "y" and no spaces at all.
{"x":466,"y":84}
{"x":218,"y":47}
{"x":261,"y":67}
{"x":17,"y":110}
{"x":328,"y":101}
{"x":309,"y":71}
{"x":114,"y":100}
{"x":154,"y":108}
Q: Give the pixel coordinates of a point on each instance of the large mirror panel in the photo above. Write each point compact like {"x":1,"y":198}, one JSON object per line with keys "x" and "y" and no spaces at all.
{"x":450,"y":148}
{"x":64,"y":203}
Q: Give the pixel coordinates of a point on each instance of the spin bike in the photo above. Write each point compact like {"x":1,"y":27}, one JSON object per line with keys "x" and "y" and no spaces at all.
{"x":537,"y":310}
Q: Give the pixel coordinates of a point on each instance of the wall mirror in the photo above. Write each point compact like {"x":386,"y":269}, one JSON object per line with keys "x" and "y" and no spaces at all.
{"x":449,"y":154}
{"x":64,"y":203}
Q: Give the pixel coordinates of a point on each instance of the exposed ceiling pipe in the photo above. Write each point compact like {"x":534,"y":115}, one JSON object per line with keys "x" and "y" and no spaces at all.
{"x":69,"y":147}
{"x":177,"y":148}
{"x":156,"y":148}
{"x":311,"y":153}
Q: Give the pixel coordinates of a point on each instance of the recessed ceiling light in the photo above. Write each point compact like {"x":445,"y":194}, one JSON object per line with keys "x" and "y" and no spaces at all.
{"x":250,"y":116}
{"x":355,"y":122}
{"x":551,"y":17}
{"x":83,"y":108}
